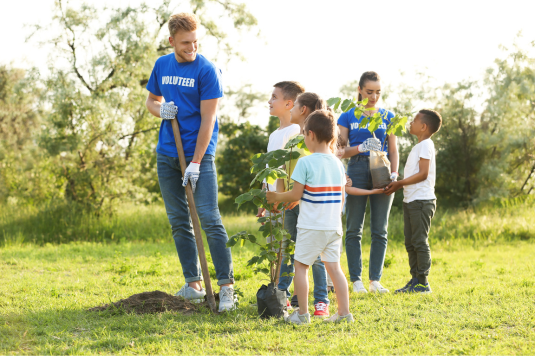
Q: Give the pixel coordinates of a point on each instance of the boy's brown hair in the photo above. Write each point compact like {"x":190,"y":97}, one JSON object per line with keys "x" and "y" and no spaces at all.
{"x":432,"y":119}
{"x":323,"y":124}
{"x":290,"y":90}
{"x":183,"y":21}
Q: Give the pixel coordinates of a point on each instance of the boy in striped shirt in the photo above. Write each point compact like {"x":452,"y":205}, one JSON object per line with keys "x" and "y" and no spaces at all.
{"x":319,"y":181}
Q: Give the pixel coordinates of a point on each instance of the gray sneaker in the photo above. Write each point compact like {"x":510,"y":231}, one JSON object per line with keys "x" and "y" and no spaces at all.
{"x":296,"y":318}
{"x":193,"y":295}
{"x":227,"y":299}
{"x":340,"y":319}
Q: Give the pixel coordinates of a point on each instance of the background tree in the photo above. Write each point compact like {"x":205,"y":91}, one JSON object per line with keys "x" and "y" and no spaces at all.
{"x":98,"y":131}
{"x":24,"y":168}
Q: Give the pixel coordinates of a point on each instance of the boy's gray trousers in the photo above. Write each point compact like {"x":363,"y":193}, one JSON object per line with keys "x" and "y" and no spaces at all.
{"x":417,"y":217}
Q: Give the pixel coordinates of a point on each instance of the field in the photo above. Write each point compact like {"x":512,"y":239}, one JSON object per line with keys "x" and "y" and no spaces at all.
{"x":482,"y":280}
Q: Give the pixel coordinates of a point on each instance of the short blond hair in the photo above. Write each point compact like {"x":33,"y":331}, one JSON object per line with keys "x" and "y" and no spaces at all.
{"x":183,"y":21}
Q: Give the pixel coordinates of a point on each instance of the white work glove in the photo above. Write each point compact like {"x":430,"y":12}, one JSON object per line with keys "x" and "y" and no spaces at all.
{"x":191,"y":174}
{"x":394,"y":176}
{"x":168,"y":111}
{"x":371,"y":144}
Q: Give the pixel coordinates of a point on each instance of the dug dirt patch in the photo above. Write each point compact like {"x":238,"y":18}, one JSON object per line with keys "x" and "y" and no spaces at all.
{"x":151,"y":303}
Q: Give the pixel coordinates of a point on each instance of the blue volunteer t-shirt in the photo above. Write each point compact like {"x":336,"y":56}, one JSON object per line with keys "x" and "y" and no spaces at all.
{"x":358,"y":136}
{"x":186,"y":84}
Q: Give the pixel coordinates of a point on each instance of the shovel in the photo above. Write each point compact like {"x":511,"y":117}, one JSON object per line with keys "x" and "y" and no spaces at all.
{"x":194,"y":219}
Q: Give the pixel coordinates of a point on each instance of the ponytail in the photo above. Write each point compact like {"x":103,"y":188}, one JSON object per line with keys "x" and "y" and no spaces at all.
{"x":312,"y":101}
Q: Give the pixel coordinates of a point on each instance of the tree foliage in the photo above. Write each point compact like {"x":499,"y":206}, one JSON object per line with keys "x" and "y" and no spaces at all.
{"x":98,"y":132}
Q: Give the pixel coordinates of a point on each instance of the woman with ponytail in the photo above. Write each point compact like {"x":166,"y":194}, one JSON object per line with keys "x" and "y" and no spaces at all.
{"x":361,"y":142}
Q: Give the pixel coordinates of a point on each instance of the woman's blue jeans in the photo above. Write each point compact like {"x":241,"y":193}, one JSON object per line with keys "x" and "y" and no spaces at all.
{"x":359,"y":171}
{"x":319,"y":273}
{"x":176,"y":205}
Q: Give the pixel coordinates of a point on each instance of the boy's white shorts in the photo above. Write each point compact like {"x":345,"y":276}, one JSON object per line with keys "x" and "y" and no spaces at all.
{"x":312,"y":243}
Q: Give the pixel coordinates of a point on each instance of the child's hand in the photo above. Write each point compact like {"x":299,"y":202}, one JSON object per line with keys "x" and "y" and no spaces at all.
{"x":378,"y":191}
{"x":291,"y":205}
{"x":261,"y":213}
{"x":349,"y":182}
{"x":271,"y":197}
{"x":393,"y":187}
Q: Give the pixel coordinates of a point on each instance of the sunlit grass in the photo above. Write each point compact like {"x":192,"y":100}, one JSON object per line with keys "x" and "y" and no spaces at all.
{"x":482,"y":281}
{"x":482,"y":303}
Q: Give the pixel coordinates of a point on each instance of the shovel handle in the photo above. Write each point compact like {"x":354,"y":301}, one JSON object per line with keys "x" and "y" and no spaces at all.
{"x":194,"y":219}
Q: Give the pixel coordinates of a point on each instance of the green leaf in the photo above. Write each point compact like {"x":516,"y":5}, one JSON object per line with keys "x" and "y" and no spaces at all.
{"x":279,"y":153}
{"x":252,"y":261}
{"x":259,"y":202}
{"x":333,"y":101}
{"x":345,"y":104}
{"x":271,"y":256}
{"x":257,"y":158}
{"x":252,"y":238}
{"x":295,"y":155}
{"x":351,"y":106}
{"x":242,"y":242}
{"x":358,"y":112}
{"x":294,"y":141}
{"x":263,"y":270}
{"x":374,"y":125}
{"x":255,"y":192}
{"x":337,"y":105}
{"x":232,"y":242}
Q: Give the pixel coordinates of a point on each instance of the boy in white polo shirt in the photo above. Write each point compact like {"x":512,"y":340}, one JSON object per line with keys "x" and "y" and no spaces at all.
{"x":319,"y":181}
{"x":419,"y":201}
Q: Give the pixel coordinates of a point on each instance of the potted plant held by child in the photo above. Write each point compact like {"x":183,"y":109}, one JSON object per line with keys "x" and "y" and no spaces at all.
{"x":379,"y":163}
{"x":270,"y":300}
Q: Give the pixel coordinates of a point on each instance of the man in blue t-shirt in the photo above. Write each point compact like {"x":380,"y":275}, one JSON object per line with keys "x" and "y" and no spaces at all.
{"x":191,"y":86}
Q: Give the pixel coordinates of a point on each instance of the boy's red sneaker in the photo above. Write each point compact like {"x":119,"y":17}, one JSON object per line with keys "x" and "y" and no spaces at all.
{"x":321,"y":310}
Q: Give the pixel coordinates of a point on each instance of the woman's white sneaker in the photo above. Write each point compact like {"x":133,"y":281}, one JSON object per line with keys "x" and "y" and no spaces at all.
{"x":296,"y":318}
{"x":376,"y":287}
{"x":358,"y":287}
{"x":340,"y":319}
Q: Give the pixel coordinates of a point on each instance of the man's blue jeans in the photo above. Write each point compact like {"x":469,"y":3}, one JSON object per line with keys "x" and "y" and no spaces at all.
{"x":174,"y":196}
{"x":319,"y":273}
{"x":359,"y":172}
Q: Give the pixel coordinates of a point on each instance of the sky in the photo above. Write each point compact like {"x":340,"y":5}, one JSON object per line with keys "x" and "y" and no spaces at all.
{"x":325,"y":44}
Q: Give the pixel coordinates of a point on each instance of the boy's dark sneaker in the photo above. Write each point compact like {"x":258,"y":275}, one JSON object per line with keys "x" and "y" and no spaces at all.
{"x":420,"y":288}
{"x":294,"y":303}
{"x":409,"y":284}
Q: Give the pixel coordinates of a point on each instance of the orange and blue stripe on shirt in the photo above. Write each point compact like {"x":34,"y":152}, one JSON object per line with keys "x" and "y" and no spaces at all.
{"x":322,"y":195}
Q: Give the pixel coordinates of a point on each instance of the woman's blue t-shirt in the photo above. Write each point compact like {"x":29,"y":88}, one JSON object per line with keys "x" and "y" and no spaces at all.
{"x":358,"y":136}
{"x":186,"y":84}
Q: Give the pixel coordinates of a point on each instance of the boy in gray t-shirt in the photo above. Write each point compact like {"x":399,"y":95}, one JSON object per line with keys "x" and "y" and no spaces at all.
{"x":419,"y":202}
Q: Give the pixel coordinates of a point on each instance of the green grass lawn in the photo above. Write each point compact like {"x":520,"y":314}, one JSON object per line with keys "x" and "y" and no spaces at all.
{"x":482,"y":302}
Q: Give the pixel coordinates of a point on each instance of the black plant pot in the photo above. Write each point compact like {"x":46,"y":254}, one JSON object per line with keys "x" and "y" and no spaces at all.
{"x":271,"y":301}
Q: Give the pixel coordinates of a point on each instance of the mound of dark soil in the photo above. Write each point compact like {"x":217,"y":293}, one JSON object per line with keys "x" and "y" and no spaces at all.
{"x":151,"y":303}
